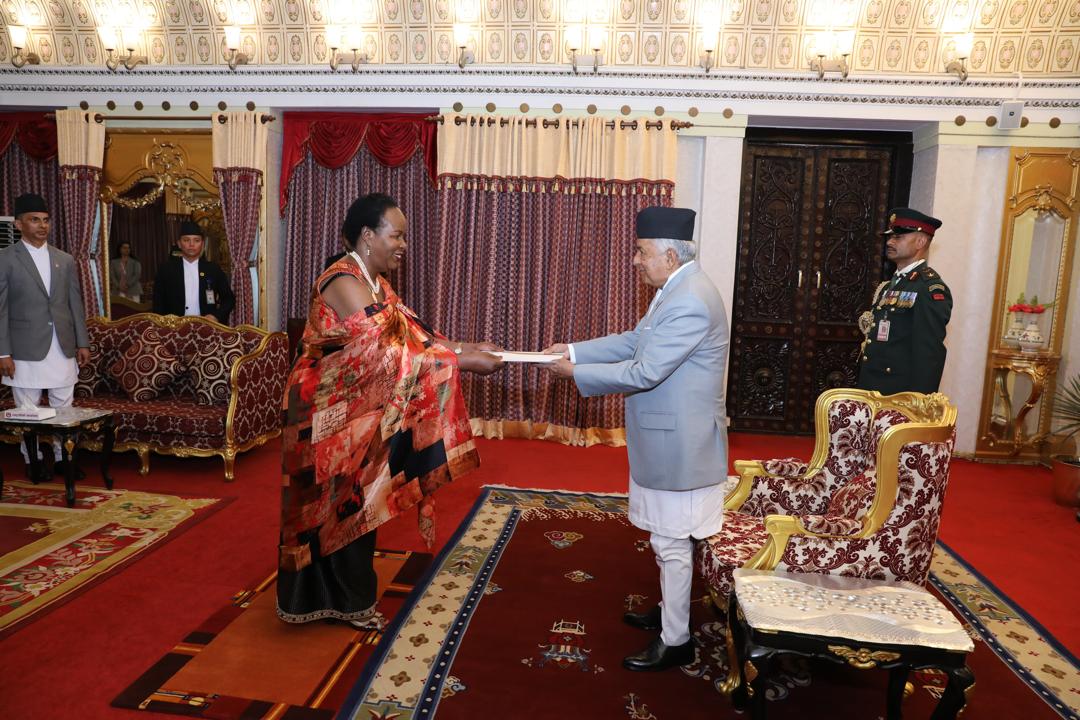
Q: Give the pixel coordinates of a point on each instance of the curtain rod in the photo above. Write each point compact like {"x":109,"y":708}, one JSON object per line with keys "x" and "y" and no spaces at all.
{"x":99,"y":118}
{"x":531,"y":122}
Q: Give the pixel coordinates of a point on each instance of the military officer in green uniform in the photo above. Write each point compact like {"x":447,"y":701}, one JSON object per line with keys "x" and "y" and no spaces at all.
{"x":904,"y":344}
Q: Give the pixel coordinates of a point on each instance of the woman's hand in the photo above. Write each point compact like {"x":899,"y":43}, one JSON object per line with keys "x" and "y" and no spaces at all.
{"x":481,"y":363}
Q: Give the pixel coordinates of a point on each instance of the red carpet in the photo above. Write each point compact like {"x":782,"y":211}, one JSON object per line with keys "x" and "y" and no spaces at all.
{"x":111,"y":634}
{"x":50,"y":552}
{"x":521,"y":614}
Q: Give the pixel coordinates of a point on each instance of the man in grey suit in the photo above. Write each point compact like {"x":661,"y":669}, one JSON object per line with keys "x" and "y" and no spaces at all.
{"x":43,"y":334}
{"x":670,"y":368}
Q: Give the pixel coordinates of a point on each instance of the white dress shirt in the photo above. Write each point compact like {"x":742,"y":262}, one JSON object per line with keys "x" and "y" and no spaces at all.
{"x":901,"y":273}
{"x":55,"y":370}
{"x":191,"y":287}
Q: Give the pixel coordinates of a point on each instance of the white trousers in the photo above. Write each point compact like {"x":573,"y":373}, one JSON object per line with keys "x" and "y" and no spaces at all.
{"x":675,"y":558}
{"x":58,"y":397}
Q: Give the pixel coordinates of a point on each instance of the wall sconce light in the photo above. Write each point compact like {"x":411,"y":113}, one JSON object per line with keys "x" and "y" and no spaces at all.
{"x":573,"y":43}
{"x":113,"y":39}
{"x":709,"y":40}
{"x":462,"y":35}
{"x":833,"y":50}
{"x":962,"y":44}
{"x":354,"y":39}
{"x":234,"y":56}
{"x":20,"y":40}
{"x":596,"y":42}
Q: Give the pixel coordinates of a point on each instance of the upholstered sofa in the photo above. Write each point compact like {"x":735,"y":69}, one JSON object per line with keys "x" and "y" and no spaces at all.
{"x":184,"y":386}
{"x":867,"y":504}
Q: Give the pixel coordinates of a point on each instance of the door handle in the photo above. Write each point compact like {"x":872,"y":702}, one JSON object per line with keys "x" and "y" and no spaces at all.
{"x":818,"y":279}
{"x":799,"y":281}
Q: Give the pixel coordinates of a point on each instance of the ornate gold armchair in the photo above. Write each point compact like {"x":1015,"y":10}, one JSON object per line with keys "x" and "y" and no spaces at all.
{"x":868,"y":504}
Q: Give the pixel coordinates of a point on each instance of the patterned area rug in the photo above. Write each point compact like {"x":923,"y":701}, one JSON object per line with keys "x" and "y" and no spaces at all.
{"x":49,"y":552}
{"x":243,"y":662}
{"x":520,"y":616}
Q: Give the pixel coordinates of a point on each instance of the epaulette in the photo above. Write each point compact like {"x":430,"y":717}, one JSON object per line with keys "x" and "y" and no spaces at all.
{"x":927,"y":272}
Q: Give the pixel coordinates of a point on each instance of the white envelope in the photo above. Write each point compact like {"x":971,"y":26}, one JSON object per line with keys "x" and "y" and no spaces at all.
{"x":527,"y":357}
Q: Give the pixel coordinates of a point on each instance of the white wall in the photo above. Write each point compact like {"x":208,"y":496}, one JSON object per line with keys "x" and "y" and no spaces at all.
{"x":964,"y":186}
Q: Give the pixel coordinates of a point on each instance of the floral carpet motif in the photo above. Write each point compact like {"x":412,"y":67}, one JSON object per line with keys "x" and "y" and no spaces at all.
{"x":50,"y":551}
{"x":520,"y":616}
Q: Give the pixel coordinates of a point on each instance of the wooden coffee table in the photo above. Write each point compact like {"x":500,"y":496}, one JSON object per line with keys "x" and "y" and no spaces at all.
{"x":897,"y":626}
{"x":66,"y":428}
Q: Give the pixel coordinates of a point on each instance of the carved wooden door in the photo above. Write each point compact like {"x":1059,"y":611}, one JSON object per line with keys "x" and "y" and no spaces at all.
{"x":809,"y":257}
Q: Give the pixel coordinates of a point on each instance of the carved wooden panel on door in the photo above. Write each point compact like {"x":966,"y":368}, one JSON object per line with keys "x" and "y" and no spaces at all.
{"x":809,"y":258}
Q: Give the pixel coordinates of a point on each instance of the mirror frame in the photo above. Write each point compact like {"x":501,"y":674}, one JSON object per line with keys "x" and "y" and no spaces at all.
{"x":161,"y":156}
{"x":1046,"y":180}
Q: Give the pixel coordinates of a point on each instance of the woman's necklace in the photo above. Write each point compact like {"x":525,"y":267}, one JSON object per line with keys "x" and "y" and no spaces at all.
{"x":367,"y":276}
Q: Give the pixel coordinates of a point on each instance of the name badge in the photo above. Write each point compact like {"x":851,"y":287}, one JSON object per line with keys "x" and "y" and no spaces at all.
{"x":883,"y":331}
{"x":210,"y":297}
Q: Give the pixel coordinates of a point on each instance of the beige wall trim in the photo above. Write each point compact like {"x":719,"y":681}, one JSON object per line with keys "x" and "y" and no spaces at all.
{"x":976,"y":132}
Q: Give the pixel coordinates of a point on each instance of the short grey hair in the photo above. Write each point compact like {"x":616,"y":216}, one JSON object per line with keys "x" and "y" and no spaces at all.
{"x":685,"y":250}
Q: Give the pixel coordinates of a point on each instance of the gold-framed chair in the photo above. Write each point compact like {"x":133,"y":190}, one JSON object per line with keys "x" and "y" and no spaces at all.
{"x":867,"y":504}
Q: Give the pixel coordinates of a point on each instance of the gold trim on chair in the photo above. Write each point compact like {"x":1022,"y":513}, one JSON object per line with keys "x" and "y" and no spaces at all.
{"x":940,"y":415}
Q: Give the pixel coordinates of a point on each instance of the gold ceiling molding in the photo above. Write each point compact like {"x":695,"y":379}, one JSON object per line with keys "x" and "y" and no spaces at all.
{"x":1038,"y":38}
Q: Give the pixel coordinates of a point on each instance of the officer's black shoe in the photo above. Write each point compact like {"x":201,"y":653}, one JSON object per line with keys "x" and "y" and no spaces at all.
{"x":659,"y":656}
{"x":648,"y":620}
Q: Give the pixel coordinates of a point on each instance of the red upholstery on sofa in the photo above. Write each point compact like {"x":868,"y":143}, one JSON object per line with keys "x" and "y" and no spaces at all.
{"x":174,"y":423}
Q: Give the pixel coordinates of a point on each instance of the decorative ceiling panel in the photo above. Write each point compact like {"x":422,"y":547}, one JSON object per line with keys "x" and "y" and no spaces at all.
{"x":901,"y":37}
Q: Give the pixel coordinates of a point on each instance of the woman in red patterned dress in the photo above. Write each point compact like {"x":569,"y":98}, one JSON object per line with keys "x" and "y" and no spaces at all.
{"x":374,"y":422}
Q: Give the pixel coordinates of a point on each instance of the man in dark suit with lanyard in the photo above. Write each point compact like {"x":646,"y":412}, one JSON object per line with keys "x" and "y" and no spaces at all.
{"x":191,"y":284}
{"x":904,"y":344}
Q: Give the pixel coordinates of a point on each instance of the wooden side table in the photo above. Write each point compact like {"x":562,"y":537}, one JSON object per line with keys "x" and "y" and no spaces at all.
{"x":866,"y":624}
{"x":65,"y":428}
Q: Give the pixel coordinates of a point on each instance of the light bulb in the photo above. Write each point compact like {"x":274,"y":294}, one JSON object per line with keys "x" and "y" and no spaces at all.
{"x":19,"y":36}
{"x":963,"y":45}
{"x":573,"y":36}
{"x":232,"y":37}
{"x":462,"y":34}
{"x":596,"y":37}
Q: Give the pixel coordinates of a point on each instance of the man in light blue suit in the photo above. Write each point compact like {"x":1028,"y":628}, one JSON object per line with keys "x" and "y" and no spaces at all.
{"x":670,"y":368}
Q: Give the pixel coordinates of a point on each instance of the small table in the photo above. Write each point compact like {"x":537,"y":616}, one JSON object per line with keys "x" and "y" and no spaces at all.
{"x":65,"y":427}
{"x":867,"y":624}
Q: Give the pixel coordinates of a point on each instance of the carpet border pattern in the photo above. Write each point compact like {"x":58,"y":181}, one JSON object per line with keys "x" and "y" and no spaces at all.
{"x":398,"y":684}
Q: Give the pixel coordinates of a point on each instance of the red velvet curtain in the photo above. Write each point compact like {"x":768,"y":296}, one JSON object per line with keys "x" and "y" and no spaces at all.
{"x":333,"y":139}
{"x":33,"y":131}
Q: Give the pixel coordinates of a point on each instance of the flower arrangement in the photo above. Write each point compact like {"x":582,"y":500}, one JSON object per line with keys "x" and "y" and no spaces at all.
{"x":1034,"y":307}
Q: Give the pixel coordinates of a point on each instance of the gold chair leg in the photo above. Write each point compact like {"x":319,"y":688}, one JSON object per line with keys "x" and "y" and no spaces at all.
{"x":229,"y":456}
{"x":144,"y":460}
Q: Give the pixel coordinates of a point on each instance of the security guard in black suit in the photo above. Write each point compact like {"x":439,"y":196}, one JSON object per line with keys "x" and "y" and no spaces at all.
{"x":904,"y":344}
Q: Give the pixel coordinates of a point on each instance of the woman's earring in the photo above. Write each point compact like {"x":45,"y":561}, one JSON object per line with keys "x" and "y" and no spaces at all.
{"x":368,"y":251}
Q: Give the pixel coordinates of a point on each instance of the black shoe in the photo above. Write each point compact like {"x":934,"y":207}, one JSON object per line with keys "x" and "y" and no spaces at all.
{"x":648,"y":620}
{"x":60,"y":469}
{"x":659,"y":656}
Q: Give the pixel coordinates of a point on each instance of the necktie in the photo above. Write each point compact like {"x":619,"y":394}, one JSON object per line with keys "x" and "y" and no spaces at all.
{"x":896,"y":278}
